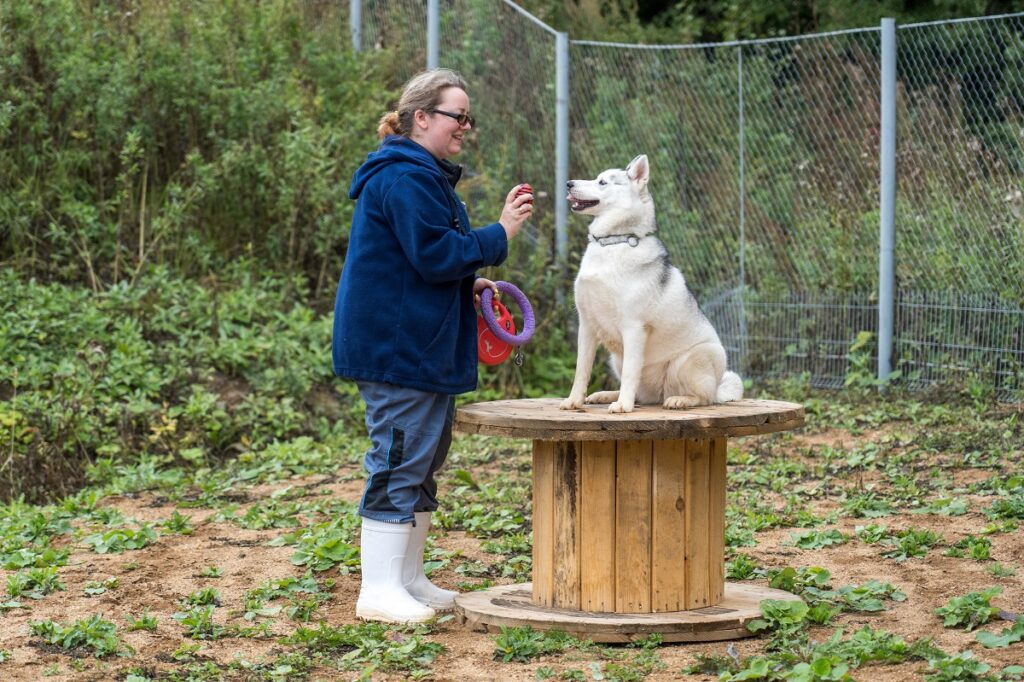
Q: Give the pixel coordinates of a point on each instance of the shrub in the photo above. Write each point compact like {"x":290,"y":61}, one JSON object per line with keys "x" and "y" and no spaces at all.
{"x":189,"y":135}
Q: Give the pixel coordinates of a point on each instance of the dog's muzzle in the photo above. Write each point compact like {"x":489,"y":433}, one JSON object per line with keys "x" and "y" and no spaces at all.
{"x":581,"y":204}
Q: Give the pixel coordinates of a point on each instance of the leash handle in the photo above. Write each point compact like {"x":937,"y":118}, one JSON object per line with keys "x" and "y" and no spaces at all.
{"x":487,"y":312}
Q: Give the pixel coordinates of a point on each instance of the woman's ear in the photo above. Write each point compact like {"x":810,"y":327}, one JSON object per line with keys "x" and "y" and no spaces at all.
{"x":419,"y":119}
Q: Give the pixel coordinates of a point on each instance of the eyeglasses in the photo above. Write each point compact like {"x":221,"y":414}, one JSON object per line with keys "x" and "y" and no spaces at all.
{"x":463,"y":119}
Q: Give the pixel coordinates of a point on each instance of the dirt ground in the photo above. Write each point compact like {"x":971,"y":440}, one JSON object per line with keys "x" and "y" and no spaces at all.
{"x":157,"y":577}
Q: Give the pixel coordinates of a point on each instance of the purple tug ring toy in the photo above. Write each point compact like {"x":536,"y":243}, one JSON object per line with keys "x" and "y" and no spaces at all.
{"x":487,"y":312}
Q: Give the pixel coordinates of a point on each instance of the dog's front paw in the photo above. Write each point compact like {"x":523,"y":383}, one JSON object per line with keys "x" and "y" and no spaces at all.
{"x":573,"y":402}
{"x":619,"y":406}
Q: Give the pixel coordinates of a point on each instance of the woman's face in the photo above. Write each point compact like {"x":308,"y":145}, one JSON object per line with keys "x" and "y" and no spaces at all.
{"x":439,"y":134}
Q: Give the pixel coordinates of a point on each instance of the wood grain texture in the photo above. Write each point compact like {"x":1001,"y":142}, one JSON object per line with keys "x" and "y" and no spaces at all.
{"x":633,"y":461}
{"x":566,"y":541}
{"x":668,"y":531}
{"x":540,"y":419}
{"x":716,"y":519}
{"x":597,"y":526}
{"x":543,"y":523}
{"x":698,"y":544}
{"x":510,"y":605}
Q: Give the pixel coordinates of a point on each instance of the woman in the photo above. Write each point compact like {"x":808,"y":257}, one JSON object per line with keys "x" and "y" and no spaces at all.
{"x":405,"y":329}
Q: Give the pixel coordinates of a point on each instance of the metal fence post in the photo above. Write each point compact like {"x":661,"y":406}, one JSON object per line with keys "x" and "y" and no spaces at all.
{"x":355,"y":23}
{"x":741,"y":134}
{"x":887,"y":208}
{"x":433,"y":33}
{"x":561,"y":154}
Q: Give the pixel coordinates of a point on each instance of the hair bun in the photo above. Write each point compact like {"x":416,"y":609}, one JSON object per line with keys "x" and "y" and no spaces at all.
{"x":389,"y":125}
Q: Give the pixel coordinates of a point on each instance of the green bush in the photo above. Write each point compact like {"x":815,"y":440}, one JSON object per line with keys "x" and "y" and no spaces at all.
{"x":179,"y":134}
{"x":169,"y":367}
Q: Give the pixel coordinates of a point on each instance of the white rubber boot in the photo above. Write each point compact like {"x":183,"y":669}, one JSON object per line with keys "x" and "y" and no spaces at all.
{"x":382,"y":597}
{"x":413,"y":577}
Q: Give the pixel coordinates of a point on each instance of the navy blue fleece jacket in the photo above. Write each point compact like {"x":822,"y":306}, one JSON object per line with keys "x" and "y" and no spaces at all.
{"x":404,"y":311}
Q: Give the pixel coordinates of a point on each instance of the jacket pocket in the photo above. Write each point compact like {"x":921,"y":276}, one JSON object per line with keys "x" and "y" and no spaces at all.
{"x":438,"y":361}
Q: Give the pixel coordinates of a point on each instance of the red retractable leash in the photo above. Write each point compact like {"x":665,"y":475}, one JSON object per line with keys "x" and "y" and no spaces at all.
{"x":490,"y":349}
{"x":496,"y":330}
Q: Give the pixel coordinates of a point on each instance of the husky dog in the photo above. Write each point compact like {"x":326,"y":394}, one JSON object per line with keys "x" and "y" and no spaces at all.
{"x":632,"y":300}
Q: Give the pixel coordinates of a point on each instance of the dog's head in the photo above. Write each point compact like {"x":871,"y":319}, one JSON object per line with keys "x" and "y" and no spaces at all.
{"x":613,"y":189}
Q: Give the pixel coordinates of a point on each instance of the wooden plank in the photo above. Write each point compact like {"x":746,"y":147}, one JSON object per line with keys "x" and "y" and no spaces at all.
{"x":545,"y":412}
{"x":660,"y":433}
{"x":541,"y":419}
{"x":633,"y":461}
{"x":698,"y":545}
{"x":565,"y":526}
{"x":668,"y":533}
{"x":597,"y":527}
{"x":716,"y":520}
{"x":543,"y":523}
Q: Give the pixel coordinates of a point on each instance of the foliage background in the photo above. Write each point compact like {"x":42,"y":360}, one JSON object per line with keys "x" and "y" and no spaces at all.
{"x":708,"y":21}
{"x":174,"y":210}
{"x":176,"y":134}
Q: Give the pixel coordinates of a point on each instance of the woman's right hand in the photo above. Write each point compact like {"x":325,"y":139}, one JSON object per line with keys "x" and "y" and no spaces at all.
{"x":516,"y":211}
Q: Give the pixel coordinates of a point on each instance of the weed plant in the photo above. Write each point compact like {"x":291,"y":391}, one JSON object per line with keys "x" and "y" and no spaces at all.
{"x":92,"y":634}
{"x":369,"y":648}
{"x":34,"y":583}
{"x":94,"y":588}
{"x":523,"y":644}
{"x":324,"y":545}
{"x":145,"y":621}
{"x":969,"y":611}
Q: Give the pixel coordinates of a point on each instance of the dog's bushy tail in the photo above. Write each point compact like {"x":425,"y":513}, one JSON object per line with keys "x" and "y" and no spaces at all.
{"x":730,"y":388}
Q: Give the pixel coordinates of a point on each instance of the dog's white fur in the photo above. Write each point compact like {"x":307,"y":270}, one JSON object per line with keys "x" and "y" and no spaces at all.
{"x":634,"y":302}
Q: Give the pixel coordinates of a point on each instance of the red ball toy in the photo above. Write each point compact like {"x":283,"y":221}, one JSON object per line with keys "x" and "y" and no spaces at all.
{"x":525,"y":189}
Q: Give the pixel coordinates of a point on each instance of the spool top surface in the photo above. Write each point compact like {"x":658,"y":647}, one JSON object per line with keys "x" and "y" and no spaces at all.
{"x":540,"y":419}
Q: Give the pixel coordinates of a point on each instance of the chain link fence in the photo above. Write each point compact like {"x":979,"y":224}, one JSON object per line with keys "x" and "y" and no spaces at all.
{"x":765,"y":173}
{"x":960,"y":209}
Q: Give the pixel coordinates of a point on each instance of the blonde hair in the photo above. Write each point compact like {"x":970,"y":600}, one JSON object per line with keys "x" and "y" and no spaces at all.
{"x":423,"y":91}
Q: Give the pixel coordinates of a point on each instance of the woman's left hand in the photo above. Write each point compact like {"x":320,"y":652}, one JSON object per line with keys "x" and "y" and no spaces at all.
{"x":479,"y":285}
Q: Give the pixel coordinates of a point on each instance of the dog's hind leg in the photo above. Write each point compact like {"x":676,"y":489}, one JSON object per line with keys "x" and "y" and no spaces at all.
{"x":679,"y":402}
{"x":692,"y":378}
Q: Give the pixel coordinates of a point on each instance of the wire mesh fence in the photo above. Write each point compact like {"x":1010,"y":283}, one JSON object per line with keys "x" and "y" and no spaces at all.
{"x":765,"y":173}
{"x":960,"y":212}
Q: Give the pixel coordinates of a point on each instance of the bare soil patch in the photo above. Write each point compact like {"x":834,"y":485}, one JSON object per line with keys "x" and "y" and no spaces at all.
{"x":158,"y":577}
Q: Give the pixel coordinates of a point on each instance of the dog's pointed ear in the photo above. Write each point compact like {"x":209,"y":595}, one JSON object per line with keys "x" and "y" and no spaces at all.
{"x":639,"y":170}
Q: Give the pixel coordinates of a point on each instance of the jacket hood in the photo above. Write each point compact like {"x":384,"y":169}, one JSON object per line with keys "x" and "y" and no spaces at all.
{"x":398,"y":149}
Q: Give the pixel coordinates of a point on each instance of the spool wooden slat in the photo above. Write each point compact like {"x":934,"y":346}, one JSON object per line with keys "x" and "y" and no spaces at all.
{"x":597,"y":526}
{"x":633,"y":527}
{"x":716,"y":519}
{"x":668,"y":533}
{"x":698,"y":544}
{"x":543,"y":523}
{"x":566,"y":525}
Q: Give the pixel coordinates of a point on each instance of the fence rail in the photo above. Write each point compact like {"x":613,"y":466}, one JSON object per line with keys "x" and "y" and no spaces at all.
{"x":767,"y":164}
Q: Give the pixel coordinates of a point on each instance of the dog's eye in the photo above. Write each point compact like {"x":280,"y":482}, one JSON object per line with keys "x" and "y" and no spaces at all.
{"x":601,"y":182}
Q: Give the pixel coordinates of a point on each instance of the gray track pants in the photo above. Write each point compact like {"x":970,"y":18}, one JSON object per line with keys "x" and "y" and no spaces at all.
{"x":411,"y":432}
